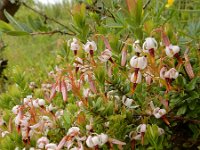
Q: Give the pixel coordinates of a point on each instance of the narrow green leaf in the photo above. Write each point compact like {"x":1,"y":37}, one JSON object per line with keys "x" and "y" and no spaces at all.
{"x":5,"y":26}
{"x":13,"y":21}
{"x":17,"y":33}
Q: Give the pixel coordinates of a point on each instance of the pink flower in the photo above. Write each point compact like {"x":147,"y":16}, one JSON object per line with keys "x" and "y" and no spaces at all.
{"x":41,"y":142}
{"x":171,"y":74}
{"x":75,"y":45}
{"x":90,"y":46}
{"x":171,"y":50}
{"x":136,"y":79}
{"x":138,"y":62}
{"x":51,"y":146}
{"x":136,"y":46}
{"x":105,"y":55}
{"x":150,"y":43}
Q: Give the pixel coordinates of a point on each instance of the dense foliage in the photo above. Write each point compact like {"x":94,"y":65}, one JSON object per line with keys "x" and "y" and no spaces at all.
{"x":102,"y":75}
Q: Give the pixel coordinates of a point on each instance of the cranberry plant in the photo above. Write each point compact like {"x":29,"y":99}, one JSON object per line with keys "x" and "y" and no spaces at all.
{"x":126,"y":78}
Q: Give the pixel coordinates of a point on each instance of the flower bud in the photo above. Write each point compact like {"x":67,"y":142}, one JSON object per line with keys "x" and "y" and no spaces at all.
{"x":171,"y":50}
{"x":138,"y":62}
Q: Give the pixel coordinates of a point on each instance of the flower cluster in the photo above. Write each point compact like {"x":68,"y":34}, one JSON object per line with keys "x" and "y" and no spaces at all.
{"x":91,"y":93}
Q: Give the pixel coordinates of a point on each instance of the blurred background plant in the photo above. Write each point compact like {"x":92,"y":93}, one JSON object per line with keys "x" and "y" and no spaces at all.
{"x":35,"y":41}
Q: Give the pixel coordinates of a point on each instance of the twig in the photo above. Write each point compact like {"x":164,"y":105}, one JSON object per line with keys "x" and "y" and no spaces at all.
{"x":48,"y":18}
{"x":147,"y":3}
{"x":50,"y":33}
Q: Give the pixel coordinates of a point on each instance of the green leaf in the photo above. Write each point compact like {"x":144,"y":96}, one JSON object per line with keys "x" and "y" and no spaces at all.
{"x":182,"y":110}
{"x":191,"y":85}
{"x":17,"y":33}
{"x":5,"y":26}
{"x":13,"y":21}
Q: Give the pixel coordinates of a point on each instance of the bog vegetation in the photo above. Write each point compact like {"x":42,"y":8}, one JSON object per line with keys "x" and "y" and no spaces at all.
{"x":101,"y":74}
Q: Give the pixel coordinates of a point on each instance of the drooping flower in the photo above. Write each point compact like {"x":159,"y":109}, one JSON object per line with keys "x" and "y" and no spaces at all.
{"x":75,"y":46}
{"x":171,"y":50}
{"x":51,"y":146}
{"x":90,"y":47}
{"x":105,"y":56}
{"x":150,"y":45}
{"x":136,"y":47}
{"x":148,"y":77}
{"x":42,"y":142}
{"x":38,"y":103}
{"x":136,"y":79}
{"x":15,"y":109}
{"x":128,"y":102}
{"x":171,"y":74}
{"x":141,"y":129}
{"x":138,"y":62}
{"x":159,"y":113}
{"x":98,"y":140}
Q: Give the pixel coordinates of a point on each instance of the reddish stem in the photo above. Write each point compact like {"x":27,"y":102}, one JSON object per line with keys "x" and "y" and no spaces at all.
{"x":164,"y":118}
{"x":180,"y":61}
{"x":133,"y":144}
